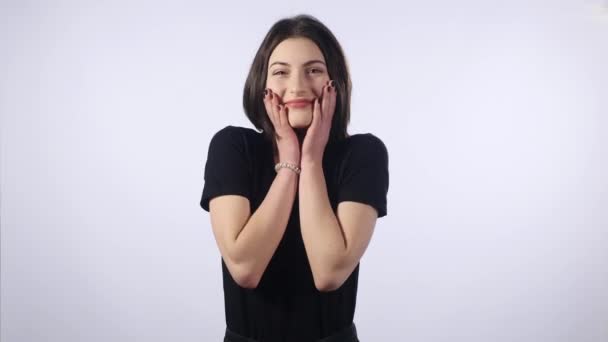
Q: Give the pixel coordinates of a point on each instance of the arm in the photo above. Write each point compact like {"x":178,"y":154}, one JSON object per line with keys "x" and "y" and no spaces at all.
{"x":334,"y":244}
{"x":247,"y":243}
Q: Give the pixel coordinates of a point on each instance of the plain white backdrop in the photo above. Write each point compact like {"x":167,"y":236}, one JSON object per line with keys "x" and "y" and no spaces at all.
{"x":494,"y":115}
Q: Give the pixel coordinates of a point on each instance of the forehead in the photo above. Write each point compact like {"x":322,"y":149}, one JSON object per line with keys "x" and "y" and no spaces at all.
{"x":296,"y":51}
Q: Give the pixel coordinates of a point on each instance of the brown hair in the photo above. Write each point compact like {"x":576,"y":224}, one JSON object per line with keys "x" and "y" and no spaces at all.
{"x":305,"y":26}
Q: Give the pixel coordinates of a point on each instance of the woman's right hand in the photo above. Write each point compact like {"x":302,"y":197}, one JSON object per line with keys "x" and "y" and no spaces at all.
{"x":287,"y":141}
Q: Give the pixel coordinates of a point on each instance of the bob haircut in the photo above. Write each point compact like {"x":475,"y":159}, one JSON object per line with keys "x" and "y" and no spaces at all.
{"x":301,"y":26}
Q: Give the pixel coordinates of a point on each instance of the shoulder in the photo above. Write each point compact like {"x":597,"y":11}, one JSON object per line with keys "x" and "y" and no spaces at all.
{"x":365,"y":139}
{"x":235,"y":132}
{"x":366,"y":145}
{"x":234,"y":136}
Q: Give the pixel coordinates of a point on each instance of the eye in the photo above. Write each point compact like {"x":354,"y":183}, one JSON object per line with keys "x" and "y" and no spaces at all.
{"x":279,"y":72}
{"x":315,"y":71}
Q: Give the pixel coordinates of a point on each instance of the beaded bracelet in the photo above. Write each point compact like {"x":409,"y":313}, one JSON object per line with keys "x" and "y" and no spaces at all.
{"x":293,"y":167}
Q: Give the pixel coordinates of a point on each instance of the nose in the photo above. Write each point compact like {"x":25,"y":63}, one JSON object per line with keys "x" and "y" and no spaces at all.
{"x":299,"y":84}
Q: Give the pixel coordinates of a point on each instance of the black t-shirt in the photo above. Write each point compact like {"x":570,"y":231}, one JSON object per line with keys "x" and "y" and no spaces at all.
{"x":286,"y":306}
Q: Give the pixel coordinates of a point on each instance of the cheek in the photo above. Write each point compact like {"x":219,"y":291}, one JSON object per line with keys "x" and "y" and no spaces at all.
{"x":319,"y":90}
{"x":269,"y":81}
{"x":320,"y":84}
{"x":273,"y":85}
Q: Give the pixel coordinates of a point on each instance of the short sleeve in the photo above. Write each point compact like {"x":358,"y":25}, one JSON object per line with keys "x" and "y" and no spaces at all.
{"x":365,"y":178}
{"x":227,"y":167}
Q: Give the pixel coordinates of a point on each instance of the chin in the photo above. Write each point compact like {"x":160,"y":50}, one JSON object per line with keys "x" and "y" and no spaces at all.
{"x":300,"y":121}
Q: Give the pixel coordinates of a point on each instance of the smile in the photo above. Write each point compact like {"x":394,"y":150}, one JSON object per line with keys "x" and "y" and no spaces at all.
{"x":298,"y":104}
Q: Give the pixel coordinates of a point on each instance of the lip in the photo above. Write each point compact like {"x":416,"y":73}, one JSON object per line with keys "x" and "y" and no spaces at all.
{"x":298,"y":103}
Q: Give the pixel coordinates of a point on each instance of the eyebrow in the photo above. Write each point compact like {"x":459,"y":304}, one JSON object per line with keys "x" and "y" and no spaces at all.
{"x":305,"y":64}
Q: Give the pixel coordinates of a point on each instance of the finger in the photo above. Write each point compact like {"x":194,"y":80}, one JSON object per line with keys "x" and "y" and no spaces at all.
{"x":326,"y":101}
{"x":316,"y":113}
{"x":286,"y":115}
{"x":268,"y":106}
{"x":282,"y":115}
{"x":332,"y":100}
{"x":276,"y":106}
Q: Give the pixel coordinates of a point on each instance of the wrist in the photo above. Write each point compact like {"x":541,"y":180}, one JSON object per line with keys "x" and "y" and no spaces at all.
{"x":310,"y":162}
{"x":292,"y":158}
{"x":286,"y":165}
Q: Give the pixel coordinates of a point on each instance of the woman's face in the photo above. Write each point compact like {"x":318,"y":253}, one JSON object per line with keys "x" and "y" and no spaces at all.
{"x":297,"y":71}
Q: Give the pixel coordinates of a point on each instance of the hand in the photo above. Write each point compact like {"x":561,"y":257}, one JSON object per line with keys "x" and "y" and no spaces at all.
{"x":317,"y":133}
{"x":287,"y":141}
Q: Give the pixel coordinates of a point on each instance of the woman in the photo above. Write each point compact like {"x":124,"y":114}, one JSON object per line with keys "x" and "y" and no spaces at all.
{"x":293,"y":207}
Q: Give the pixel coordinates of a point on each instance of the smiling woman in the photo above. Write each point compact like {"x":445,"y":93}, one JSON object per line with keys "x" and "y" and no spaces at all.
{"x":293,"y":205}
{"x":300,"y":81}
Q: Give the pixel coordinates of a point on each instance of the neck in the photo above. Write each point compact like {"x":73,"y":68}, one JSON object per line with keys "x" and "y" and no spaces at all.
{"x":301,"y":133}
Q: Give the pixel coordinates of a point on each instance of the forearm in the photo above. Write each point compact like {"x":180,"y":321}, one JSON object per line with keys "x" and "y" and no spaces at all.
{"x":323,"y":237}
{"x":257,"y":241}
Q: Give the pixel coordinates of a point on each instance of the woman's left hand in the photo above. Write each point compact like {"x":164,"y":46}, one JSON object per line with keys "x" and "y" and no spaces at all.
{"x":317,"y":133}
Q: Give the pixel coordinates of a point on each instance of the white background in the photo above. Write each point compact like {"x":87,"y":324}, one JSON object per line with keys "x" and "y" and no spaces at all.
{"x":494,"y":115}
